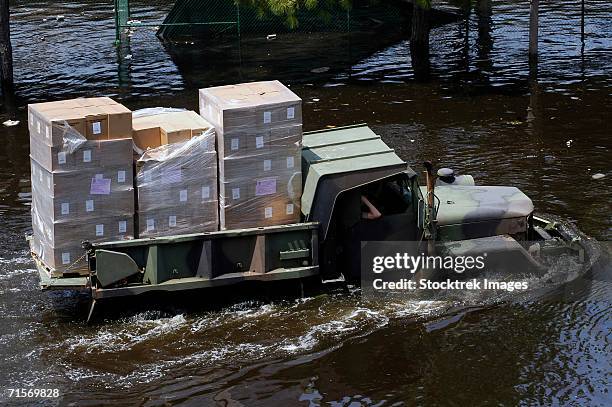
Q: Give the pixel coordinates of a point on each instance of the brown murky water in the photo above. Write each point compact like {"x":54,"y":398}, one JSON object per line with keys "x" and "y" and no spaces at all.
{"x":479,"y":114}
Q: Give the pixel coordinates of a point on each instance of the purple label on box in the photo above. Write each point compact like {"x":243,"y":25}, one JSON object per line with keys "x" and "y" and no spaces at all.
{"x":100,"y":186}
{"x":266,"y":186}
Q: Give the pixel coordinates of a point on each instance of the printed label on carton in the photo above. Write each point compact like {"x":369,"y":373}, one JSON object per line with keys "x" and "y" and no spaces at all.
{"x":205,"y":192}
{"x":235,"y":193}
{"x":99,"y":230}
{"x":65,"y":208}
{"x":96,"y":128}
{"x":121,"y":176}
{"x":38,"y":126}
{"x":171,"y":176}
{"x":48,"y":131}
{"x":290,"y":113}
{"x":89,"y":205}
{"x":268,"y":212}
{"x":267,"y":117}
{"x":86,"y":156}
{"x":259,"y":142}
{"x":122,"y":226}
{"x":49,"y":181}
{"x":267,"y":165}
{"x":172,"y":221}
{"x":65,"y":258}
{"x":289,"y":209}
{"x":150,"y":225}
{"x":235,"y":144}
{"x":290,"y":162}
{"x":266,"y":186}
{"x":61,"y":157}
{"x":100,"y":186}
{"x":183,"y":195}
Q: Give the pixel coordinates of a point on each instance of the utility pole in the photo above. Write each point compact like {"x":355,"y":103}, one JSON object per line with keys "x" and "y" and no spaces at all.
{"x":533,"y":29}
{"x":6,"y":50}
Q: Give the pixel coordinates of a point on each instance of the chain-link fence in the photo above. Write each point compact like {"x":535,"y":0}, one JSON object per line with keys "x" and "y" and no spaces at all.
{"x":218,"y":41}
{"x":212,"y":18}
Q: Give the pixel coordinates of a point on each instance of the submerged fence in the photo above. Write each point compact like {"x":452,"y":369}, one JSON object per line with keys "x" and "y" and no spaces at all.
{"x":206,"y":18}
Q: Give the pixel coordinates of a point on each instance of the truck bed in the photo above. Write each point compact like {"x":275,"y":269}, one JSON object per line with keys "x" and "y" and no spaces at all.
{"x":186,"y":262}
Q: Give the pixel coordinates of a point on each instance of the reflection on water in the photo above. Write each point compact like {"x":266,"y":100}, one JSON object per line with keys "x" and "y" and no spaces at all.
{"x":480,"y":114}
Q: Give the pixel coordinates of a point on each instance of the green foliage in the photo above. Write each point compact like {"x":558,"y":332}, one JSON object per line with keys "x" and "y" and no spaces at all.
{"x":289,"y":9}
{"x":425,"y":4}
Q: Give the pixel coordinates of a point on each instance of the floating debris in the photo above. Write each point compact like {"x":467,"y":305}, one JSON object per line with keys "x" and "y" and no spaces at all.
{"x":320,"y":70}
{"x":569,"y":142}
{"x":128,"y":56}
{"x":598,"y":175}
{"x":315,"y":99}
{"x":11,"y":123}
{"x":60,"y":18}
{"x":271,"y":37}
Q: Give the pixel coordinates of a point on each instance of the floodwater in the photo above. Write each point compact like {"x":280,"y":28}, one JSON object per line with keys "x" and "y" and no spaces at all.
{"x":479,"y":113}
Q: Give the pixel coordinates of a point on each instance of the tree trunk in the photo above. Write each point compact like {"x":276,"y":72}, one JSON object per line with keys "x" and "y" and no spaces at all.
{"x":484,"y":42}
{"x":533,"y":28}
{"x":6,"y":50}
{"x":419,"y":40}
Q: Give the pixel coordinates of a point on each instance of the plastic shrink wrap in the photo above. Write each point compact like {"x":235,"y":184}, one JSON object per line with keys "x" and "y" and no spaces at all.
{"x":259,"y":135}
{"x":158,"y":126}
{"x":81,"y":177}
{"x":177,"y":182}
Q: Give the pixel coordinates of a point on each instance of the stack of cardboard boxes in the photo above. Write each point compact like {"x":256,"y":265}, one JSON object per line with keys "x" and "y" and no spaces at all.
{"x":259,"y":134}
{"x":188,"y":179}
{"x":82,"y":178}
{"x":177,"y":180}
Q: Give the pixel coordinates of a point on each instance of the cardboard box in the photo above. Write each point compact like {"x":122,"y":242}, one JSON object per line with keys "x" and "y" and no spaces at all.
{"x":82,"y":194}
{"x":259,"y":133}
{"x":179,"y":220}
{"x":166,"y":128}
{"x":94,"y":118}
{"x":82,"y":176}
{"x":178,"y":182}
{"x":89,"y":155}
{"x":280,"y":162}
{"x":278,"y":211}
{"x":243,"y":203}
{"x":146,"y":135}
{"x":62,"y":254}
{"x":256,"y":105}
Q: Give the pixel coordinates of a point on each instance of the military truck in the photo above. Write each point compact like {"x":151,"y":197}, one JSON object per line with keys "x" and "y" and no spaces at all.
{"x":340,"y":166}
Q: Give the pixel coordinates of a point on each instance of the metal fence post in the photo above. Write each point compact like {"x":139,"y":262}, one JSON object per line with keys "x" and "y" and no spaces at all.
{"x":122,"y":15}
